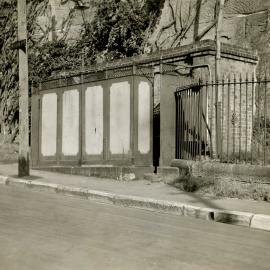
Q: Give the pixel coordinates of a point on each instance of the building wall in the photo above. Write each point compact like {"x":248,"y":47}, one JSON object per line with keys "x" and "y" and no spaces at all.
{"x":205,"y":70}
{"x":245,"y":23}
{"x":105,"y":122}
{"x":169,"y":84}
{"x":123,"y":104}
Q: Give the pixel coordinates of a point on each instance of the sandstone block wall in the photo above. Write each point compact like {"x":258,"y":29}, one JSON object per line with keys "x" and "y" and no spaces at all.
{"x":61,"y":19}
{"x":235,"y":114}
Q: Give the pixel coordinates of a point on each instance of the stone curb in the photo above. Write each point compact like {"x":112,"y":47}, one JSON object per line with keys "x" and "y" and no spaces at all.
{"x":3,"y":179}
{"x":246,"y":219}
{"x":261,"y":222}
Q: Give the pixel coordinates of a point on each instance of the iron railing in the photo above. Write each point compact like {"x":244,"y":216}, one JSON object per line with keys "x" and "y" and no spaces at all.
{"x":226,"y":120}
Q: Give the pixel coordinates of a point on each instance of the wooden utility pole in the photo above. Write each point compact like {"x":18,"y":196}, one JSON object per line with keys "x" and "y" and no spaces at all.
{"x":23,"y":164}
{"x":219,"y":18}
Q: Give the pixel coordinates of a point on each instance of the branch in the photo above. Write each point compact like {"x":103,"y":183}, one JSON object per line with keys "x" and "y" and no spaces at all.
{"x":173,"y":16}
{"x":182,"y":32}
{"x":166,"y":39}
{"x":180,"y":15}
{"x":161,"y":31}
{"x":170,"y":24}
{"x":205,"y":31}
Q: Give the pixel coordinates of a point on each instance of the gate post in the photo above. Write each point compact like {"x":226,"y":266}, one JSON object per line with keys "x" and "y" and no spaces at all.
{"x":218,"y":129}
{"x":156,"y":122}
{"x":157,"y":84}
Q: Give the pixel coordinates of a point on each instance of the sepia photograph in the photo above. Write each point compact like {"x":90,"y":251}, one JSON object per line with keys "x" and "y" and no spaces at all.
{"x":135,"y":135}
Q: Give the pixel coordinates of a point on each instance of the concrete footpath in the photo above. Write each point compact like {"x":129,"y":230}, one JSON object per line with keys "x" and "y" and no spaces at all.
{"x":146,"y":195}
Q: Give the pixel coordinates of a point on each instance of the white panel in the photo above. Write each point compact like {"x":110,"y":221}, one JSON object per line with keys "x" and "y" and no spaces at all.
{"x":144,"y":117}
{"x":70,"y":124}
{"x":94,"y":120}
{"x":120,"y":118}
{"x":49,"y":124}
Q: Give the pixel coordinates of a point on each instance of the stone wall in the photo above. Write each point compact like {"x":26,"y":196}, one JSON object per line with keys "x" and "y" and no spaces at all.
{"x":191,"y":62}
{"x":61,"y":19}
{"x":238,"y":104}
{"x":245,"y":23}
{"x":104,"y":120}
{"x":235,"y":60}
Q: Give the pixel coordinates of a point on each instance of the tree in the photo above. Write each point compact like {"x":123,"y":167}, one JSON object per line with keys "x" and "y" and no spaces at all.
{"x":120,"y":28}
{"x":183,"y":18}
{"x":9,"y":66}
{"x":9,"y":99}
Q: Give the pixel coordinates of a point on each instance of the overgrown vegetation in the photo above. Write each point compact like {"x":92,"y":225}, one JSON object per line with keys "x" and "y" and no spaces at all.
{"x":9,"y":97}
{"x":119,"y":28}
{"x":241,"y":187}
{"x":9,"y":67}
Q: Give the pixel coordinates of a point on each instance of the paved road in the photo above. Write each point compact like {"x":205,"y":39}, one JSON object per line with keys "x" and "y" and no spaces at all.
{"x":40,"y":230}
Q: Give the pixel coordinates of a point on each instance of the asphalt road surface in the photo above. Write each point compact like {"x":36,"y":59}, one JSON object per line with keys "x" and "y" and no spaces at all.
{"x":39,"y":230}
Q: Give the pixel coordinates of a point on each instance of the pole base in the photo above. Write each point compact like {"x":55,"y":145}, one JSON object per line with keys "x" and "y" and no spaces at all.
{"x":23,"y":166}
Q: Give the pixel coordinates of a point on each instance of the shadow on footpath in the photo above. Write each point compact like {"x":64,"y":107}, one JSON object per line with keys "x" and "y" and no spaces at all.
{"x":207,"y":202}
{"x":30,"y":177}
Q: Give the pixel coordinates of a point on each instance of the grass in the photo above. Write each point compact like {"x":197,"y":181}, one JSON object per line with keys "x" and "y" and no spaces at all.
{"x":8,"y":152}
{"x":227,"y":187}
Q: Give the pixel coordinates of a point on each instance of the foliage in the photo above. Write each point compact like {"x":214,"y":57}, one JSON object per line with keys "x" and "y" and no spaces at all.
{"x":9,"y":96}
{"x":119,"y":28}
{"x":8,"y":63}
{"x":48,"y":57}
{"x":261,"y":130}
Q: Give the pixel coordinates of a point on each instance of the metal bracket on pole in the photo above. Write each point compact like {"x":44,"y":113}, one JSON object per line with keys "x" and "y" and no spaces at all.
{"x":20,"y":44}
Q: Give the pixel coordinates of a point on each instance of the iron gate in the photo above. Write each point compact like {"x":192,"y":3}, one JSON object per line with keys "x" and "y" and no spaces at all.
{"x":191,"y":124}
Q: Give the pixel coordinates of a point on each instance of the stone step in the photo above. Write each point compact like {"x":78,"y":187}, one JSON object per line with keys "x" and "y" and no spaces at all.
{"x":164,"y":174}
{"x":152,"y":177}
